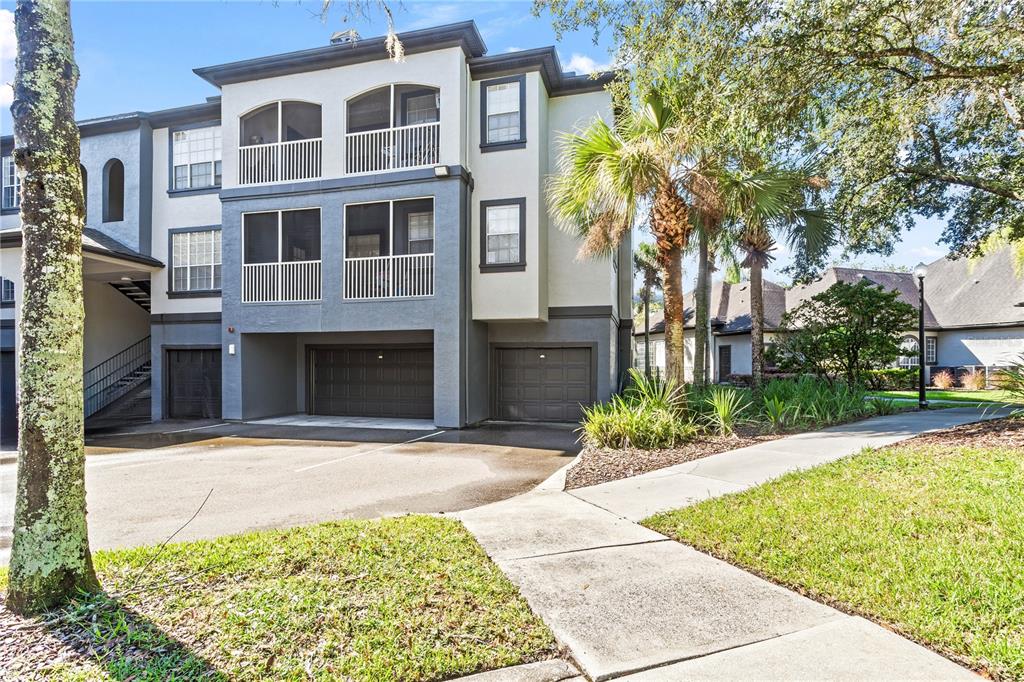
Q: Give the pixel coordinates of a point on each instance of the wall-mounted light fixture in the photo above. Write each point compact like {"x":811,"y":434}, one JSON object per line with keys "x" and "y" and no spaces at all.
{"x":441,"y":171}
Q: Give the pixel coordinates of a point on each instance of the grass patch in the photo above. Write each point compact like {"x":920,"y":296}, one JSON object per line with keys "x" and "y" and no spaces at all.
{"x":411,"y":598}
{"x":987,"y":396}
{"x":926,"y":537}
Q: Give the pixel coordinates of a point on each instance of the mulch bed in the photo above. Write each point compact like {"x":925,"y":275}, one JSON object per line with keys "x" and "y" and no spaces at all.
{"x":31,"y":646}
{"x":995,"y":433}
{"x":598,"y":465}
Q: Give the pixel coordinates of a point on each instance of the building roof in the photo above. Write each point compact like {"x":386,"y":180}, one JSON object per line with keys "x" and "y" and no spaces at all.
{"x":962,"y":293}
{"x":93,"y":241}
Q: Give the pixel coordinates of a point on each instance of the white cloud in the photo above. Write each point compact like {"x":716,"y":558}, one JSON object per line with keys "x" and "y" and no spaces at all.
{"x":8,"y":50}
{"x":428,"y":15}
{"x":513,"y":49}
{"x":581,"y":63}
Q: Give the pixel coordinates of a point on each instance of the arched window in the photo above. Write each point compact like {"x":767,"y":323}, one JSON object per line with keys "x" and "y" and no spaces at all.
{"x":85,"y":192}
{"x":391,"y":127}
{"x":909,"y":352}
{"x":280,"y":122}
{"x":113,"y":191}
{"x":393,"y":106}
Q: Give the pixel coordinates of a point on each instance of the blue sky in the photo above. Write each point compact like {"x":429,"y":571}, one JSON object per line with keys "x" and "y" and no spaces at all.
{"x":140,"y":55}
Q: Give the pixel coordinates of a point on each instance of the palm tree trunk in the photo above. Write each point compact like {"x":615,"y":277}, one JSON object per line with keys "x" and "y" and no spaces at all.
{"x":647,"y":332}
{"x":702,"y":304}
{"x":706,"y":359}
{"x":672,"y":277}
{"x":50,"y":559}
{"x":756,"y":325}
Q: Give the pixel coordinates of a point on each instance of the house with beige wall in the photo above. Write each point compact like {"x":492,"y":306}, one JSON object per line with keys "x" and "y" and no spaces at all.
{"x":340,"y":234}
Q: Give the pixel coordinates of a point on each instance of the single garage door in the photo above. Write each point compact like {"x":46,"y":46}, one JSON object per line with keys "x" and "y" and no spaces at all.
{"x":373,"y":382}
{"x":542,"y":384}
{"x":8,"y":403}
{"x":193,"y":383}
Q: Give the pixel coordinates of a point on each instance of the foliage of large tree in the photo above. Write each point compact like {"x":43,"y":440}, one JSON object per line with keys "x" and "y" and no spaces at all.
{"x":844,"y":331}
{"x":607,"y":174}
{"x":915,"y":107}
{"x":50,"y":558}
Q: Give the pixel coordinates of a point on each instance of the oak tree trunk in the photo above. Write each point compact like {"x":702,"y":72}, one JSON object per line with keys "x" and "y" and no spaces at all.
{"x":756,"y":325}
{"x":50,"y":557}
{"x":702,"y":304}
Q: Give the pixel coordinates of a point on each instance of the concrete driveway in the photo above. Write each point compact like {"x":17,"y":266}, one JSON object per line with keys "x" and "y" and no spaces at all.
{"x":142,"y":486}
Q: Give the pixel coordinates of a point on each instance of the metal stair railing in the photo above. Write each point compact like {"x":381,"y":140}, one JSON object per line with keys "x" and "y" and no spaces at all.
{"x":116,"y":376}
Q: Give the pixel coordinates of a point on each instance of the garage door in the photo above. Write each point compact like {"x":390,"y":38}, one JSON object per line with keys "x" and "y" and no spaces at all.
{"x":542,"y":384}
{"x":373,"y":382}
{"x":193,"y":383}
{"x":8,"y":407}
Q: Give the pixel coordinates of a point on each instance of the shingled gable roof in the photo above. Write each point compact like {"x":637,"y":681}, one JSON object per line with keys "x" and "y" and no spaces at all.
{"x":959,"y":294}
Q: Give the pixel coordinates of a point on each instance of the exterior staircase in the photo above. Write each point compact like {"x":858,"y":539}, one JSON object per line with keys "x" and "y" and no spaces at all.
{"x":137,"y":291}
{"x":132,"y":408}
{"x":118,"y":377}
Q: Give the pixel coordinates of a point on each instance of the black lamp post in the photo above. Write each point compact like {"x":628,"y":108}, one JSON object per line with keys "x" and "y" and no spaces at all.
{"x":920,"y":272}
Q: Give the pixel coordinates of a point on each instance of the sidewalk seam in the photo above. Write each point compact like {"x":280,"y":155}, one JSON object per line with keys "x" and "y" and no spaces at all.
{"x":589,"y":549}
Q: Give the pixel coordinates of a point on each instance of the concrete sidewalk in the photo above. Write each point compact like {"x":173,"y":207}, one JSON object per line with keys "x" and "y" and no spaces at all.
{"x":629,"y":602}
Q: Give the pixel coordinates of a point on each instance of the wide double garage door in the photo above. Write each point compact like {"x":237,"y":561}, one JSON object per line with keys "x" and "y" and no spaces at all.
{"x":372,"y":381}
{"x":542,"y":384}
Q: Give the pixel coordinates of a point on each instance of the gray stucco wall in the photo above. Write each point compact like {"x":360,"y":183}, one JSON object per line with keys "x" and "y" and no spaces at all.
{"x":180,"y":331}
{"x":443,"y":314}
{"x":266,"y":361}
{"x":134,"y":148}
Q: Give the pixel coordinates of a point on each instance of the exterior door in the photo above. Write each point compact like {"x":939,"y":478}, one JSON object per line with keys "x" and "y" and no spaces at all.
{"x":8,"y":399}
{"x":542,"y":384}
{"x":724,"y":362}
{"x":193,"y":383}
{"x":372,"y":381}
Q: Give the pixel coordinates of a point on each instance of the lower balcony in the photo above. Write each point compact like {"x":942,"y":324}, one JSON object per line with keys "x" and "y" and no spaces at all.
{"x":403,"y":276}
{"x":290,"y":282}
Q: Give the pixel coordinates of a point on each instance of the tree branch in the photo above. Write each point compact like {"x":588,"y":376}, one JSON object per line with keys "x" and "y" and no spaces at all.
{"x":971,"y":181}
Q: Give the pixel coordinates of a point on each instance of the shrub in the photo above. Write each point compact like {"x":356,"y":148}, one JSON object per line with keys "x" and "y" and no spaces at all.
{"x":974,"y":380}
{"x":883,"y":406}
{"x":818,"y":401}
{"x":943,"y":379}
{"x":1011,"y":380}
{"x":890,"y":379}
{"x":726,"y":409}
{"x":620,"y":423}
{"x":655,"y":392}
{"x":777,"y":413}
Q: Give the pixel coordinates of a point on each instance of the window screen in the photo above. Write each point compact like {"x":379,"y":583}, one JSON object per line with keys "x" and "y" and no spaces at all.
{"x":260,"y":236}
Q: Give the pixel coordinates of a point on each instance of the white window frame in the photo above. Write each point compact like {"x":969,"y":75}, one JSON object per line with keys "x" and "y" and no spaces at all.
{"x":931,"y":350}
{"x":216,"y":258}
{"x":909,"y":361}
{"x":10,"y":196}
{"x":6,"y":290}
{"x":213,"y":156}
{"x":519,"y":81}
{"x":485,"y":234}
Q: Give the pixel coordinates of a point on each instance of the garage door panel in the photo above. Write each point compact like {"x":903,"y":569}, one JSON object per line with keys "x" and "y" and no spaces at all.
{"x":193,"y":383}
{"x":374,"y":382}
{"x":542,"y":383}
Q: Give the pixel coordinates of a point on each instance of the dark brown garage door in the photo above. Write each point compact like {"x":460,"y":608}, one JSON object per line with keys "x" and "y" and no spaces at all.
{"x":373,"y":382}
{"x":193,"y":383}
{"x":542,"y":384}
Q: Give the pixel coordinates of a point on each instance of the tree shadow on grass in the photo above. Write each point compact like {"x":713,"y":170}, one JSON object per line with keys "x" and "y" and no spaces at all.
{"x":97,"y":632}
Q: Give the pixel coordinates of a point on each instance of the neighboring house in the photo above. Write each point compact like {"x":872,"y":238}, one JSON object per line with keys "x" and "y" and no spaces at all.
{"x":340,"y":234}
{"x":974,"y":315}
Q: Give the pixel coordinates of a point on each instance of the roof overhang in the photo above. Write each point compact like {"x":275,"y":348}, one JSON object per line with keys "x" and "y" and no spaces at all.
{"x":12,"y":239}
{"x":544,"y":60}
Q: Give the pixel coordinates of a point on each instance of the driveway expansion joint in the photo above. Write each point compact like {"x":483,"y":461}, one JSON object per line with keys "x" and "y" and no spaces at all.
{"x":587,"y":549}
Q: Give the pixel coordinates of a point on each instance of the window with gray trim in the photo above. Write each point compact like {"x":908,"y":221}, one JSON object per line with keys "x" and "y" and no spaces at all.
{"x":195,"y":260}
{"x":11,"y":183}
{"x":931,"y":351}
{"x":6,"y":290}
{"x":503,"y":234}
{"x":196,"y":158}
{"x":503,"y":112}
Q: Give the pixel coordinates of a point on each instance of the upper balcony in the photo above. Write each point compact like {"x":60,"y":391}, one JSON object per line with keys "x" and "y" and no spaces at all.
{"x":393,"y":127}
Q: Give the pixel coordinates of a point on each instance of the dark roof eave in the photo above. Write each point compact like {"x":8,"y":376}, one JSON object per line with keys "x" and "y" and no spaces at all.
{"x":545,"y":60}
{"x":13,"y":239}
{"x":462,"y":34}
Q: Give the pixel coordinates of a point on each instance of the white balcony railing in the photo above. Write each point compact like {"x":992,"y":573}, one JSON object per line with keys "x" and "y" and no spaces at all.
{"x":374,"y":151}
{"x":281,"y":282}
{"x":260,"y":164}
{"x":389,"y":276}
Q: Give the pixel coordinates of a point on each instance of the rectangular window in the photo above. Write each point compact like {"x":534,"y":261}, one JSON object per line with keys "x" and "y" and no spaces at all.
{"x":281,"y":236}
{"x":196,"y":156}
{"x":389,"y":228}
{"x":421,"y":232}
{"x":503,"y":118}
{"x":6,"y":291}
{"x":502,"y":233}
{"x":931,"y":351}
{"x":195,"y":261}
{"x":10,"y":183}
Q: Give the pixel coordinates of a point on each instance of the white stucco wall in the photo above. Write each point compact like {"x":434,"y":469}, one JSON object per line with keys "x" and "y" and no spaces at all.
{"x":112,"y":322}
{"x":957,"y":348}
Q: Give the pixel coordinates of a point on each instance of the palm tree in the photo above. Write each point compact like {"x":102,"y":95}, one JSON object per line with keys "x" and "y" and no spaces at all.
{"x":606,"y":174}
{"x":645,"y":263}
{"x":768,"y":204}
{"x":708,"y":213}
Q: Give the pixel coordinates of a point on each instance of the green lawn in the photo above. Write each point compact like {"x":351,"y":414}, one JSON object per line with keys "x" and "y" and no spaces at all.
{"x":927,"y":538}
{"x":410,"y":598}
{"x":989,"y":396}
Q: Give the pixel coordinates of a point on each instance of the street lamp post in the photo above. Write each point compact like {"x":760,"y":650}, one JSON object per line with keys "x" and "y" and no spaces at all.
{"x":920,"y":272}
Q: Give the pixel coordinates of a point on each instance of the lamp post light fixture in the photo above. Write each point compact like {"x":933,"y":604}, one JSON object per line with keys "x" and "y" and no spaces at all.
{"x":921,"y":271}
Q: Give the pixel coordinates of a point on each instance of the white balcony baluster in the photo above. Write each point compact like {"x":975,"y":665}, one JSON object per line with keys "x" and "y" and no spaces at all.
{"x":260,"y":164}
{"x":404,"y":276}
{"x":294,"y":281}
{"x":373,"y":151}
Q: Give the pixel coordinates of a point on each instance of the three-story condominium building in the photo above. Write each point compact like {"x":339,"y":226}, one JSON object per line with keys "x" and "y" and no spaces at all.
{"x":341,"y":234}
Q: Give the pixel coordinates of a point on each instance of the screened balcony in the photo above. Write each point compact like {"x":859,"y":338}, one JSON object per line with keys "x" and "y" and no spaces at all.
{"x":281,"y":256}
{"x":389,"y":249}
{"x":280,"y":142}
{"x":393,"y":127}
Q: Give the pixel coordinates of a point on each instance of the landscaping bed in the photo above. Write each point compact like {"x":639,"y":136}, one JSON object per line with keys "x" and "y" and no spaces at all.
{"x":923,"y":537}
{"x":411,"y":598}
{"x":600,"y":465}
